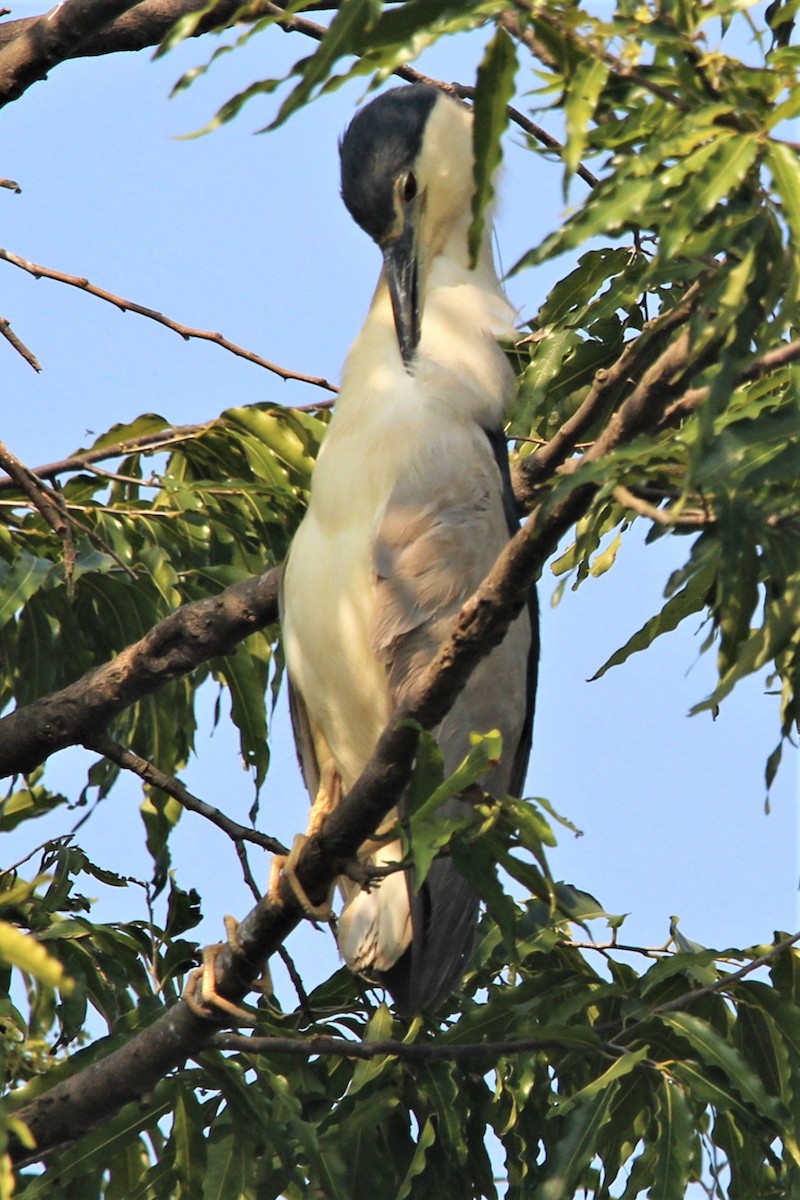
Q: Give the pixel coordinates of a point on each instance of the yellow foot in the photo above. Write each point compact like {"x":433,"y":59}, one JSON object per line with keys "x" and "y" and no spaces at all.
{"x":200,"y":992}
{"x":283,"y":867}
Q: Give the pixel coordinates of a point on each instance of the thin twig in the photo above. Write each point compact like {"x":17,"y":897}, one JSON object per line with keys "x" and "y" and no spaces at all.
{"x":103,"y":744}
{"x":623,"y":947}
{"x":427,"y":1052}
{"x":244,"y":862}
{"x":619,"y":70}
{"x":294,"y":975}
{"x":686,"y":999}
{"x":149,"y":442}
{"x":18,"y":344}
{"x":48,"y":505}
{"x":40,"y":272}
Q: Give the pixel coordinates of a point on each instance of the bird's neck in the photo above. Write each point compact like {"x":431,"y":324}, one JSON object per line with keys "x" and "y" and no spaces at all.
{"x":458,"y":366}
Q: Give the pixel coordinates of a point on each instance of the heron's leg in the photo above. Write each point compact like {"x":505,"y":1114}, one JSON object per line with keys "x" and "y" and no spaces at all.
{"x":283,"y":867}
{"x":329,"y":793}
{"x":200,"y":992}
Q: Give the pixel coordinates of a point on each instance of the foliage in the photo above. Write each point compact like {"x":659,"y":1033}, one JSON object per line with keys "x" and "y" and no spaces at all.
{"x":659,"y":382}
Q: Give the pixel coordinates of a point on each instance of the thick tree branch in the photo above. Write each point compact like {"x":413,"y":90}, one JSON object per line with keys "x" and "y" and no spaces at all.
{"x":193,"y":634}
{"x":40,"y":272}
{"x":51,"y":38}
{"x":138,"y":26}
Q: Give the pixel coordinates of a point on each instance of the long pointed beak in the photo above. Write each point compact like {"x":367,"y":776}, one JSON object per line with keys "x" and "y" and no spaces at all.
{"x":402,"y":276}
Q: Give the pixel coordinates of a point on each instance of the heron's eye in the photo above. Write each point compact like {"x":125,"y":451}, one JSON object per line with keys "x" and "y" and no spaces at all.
{"x":409,"y":187}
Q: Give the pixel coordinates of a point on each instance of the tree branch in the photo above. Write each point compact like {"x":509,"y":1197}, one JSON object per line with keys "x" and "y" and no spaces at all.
{"x":77,"y":462}
{"x":103,"y":744}
{"x":18,"y":344}
{"x":412,"y":1052}
{"x":604,"y":393}
{"x":189,"y":636}
{"x":40,"y":272}
{"x":49,"y":39}
{"x":692,"y":398}
{"x":139,"y":26}
{"x":49,"y":505}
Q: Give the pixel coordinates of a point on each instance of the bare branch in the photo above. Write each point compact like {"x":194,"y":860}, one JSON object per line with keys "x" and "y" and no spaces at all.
{"x":679,"y":518}
{"x":148,"y":442}
{"x":18,"y":344}
{"x":150,"y":773}
{"x":47,"y":503}
{"x":50,"y":39}
{"x":40,"y":272}
{"x":413,"y":1052}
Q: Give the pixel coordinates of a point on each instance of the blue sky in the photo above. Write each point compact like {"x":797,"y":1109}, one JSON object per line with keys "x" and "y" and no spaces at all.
{"x":246,"y":234}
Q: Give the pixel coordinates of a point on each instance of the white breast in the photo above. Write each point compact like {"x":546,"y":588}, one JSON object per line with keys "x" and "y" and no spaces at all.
{"x":384,"y":418}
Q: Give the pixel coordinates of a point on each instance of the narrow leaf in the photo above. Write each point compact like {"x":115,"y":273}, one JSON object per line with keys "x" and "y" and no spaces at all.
{"x":494,"y":88}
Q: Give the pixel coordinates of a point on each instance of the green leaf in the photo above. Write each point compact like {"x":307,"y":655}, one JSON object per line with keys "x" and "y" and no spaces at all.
{"x":760,"y":1041}
{"x":691,"y":599}
{"x":623,"y":1065}
{"x":190,"y":1145}
{"x":494,"y":88}
{"x":785,"y":168}
{"x":674,"y":1145}
{"x":569,"y":1157}
{"x":248,"y":707}
{"x":22,"y":950}
{"x":378,"y":1030}
{"x":584,"y":87}
{"x":717,"y":1053}
{"x":19,"y":582}
{"x":428,"y":830}
{"x":102,"y":1145}
{"x":426,"y":1139}
{"x":226,"y":1170}
{"x":352,"y":19}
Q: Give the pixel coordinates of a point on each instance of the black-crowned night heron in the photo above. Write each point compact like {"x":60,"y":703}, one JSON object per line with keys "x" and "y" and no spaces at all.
{"x":410,"y":505}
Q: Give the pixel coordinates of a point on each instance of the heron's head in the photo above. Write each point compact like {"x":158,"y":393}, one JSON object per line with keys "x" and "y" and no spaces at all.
{"x":407,"y":181}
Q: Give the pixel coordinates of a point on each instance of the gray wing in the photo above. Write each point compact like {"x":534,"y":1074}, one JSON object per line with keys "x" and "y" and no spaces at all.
{"x":436,"y":542}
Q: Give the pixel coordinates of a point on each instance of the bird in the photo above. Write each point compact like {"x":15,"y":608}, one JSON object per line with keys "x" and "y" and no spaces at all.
{"x":410,"y":505}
